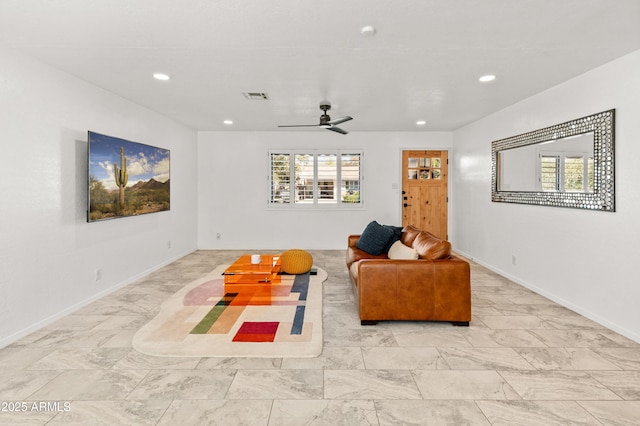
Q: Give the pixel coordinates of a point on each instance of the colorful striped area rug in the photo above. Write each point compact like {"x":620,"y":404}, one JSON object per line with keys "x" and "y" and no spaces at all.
{"x":210,"y":319}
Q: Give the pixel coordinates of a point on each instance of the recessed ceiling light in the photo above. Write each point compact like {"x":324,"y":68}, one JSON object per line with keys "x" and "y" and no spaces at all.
{"x":228,"y":122}
{"x":368,"y":31}
{"x":487,"y":78}
{"x":421,"y":122}
{"x":161,"y":76}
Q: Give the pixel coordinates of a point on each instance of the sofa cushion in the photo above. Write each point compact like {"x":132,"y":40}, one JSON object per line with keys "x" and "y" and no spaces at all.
{"x":400,"y":251}
{"x":375,"y":238}
{"x":431,"y":247}
{"x":409,"y":235}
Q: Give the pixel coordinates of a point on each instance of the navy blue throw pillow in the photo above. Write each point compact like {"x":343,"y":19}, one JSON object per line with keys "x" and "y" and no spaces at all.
{"x":375,"y":238}
{"x":397,"y":234}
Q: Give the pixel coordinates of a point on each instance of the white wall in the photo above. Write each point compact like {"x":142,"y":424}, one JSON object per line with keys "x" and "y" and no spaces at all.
{"x":586,"y":260}
{"x":48,"y":252}
{"x":233,"y":188}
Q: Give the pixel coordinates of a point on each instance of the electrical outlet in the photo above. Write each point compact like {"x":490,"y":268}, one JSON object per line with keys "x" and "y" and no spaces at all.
{"x":218,"y":236}
{"x":168,"y":244}
{"x":513,"y":260}
{"x":98,"y":274}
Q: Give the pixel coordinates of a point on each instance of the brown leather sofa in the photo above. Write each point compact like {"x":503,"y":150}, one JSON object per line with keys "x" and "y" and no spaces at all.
{"x":434,"y":287}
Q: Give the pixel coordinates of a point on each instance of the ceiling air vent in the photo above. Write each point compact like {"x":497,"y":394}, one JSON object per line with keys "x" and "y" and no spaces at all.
{"x":255,"y":96}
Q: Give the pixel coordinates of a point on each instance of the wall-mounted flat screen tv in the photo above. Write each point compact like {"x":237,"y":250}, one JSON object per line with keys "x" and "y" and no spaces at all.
{"x":126,"y":178}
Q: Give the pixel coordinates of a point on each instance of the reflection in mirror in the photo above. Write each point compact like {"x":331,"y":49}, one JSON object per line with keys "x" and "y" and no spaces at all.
{"x":566,"y":165}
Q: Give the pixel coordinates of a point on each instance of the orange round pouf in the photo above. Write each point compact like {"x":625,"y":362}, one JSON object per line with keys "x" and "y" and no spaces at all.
{"x":296,"y":261}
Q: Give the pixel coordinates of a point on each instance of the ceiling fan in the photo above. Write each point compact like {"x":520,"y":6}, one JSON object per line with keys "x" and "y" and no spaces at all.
{"x":325,"y":121}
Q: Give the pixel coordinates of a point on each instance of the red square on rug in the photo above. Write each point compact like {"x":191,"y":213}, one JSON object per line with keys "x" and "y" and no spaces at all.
{"x":256,"y":332}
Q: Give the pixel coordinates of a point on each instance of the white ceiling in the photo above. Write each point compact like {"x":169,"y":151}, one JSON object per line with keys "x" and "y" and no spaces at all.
{"x":423,"y":62}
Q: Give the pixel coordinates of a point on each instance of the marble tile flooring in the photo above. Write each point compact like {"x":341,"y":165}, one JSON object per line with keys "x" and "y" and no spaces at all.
{"x":523,"y":361}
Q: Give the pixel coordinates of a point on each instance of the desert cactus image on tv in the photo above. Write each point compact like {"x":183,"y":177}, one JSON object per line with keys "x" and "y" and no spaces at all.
{"x":126,"y":178}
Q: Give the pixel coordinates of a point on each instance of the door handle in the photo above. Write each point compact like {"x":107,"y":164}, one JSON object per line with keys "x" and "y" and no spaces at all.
{"x":407,"y":205}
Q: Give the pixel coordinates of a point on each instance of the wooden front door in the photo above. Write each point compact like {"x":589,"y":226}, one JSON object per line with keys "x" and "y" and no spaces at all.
{"x":424,"y":191}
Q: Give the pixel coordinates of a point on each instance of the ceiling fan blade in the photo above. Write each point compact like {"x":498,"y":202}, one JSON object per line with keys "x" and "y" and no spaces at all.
{"x":336,"y":129}
{"x":325,"y":120}
{"x":298,"y":125}
{"x":340,"y":120}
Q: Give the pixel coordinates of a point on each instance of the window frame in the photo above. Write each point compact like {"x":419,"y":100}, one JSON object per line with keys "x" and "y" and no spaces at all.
{"x":561,"y":157}
{"x":318,"y":202}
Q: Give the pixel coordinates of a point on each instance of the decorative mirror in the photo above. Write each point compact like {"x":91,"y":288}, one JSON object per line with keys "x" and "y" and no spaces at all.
{"x":565,"y":165}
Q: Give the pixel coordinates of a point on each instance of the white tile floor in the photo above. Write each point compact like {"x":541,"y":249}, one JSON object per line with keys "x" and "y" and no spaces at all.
{"x":524,"y":360}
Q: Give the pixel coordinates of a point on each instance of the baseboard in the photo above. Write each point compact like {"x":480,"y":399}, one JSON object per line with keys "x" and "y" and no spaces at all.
{"x":5,"y":341}
{"x":559,"y":300}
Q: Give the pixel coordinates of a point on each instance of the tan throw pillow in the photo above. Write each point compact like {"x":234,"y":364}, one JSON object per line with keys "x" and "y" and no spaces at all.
{"x":400,"y":251}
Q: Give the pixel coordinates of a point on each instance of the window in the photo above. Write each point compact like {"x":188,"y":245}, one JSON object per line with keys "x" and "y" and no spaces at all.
{"x":566,"y":172}
{"x":574,"y":174}
{"x":549,"y":173}
{"x":312,"y":178}
{"x":350,"y":178}
{"x":303,"y":178}
{"x":280,"y":178}
{"x":424,"y":168}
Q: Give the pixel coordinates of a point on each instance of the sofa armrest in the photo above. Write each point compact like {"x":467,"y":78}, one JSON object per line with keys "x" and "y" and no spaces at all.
{"x":352,"y":240}
{"x":354,"y":254}
{"x":453,"y":288}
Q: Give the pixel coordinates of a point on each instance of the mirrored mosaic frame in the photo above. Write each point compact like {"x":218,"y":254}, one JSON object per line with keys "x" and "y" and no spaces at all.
{"x":602,"y":198}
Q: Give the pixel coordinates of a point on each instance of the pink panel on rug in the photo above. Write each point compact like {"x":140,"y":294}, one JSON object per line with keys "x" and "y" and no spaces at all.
{"x":256,"y":332}
{"x":206,"y":294}
{"x":281,"y":290}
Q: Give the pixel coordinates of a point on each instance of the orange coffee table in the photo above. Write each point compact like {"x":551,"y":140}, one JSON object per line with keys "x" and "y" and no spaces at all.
{"x":252,"y":283}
